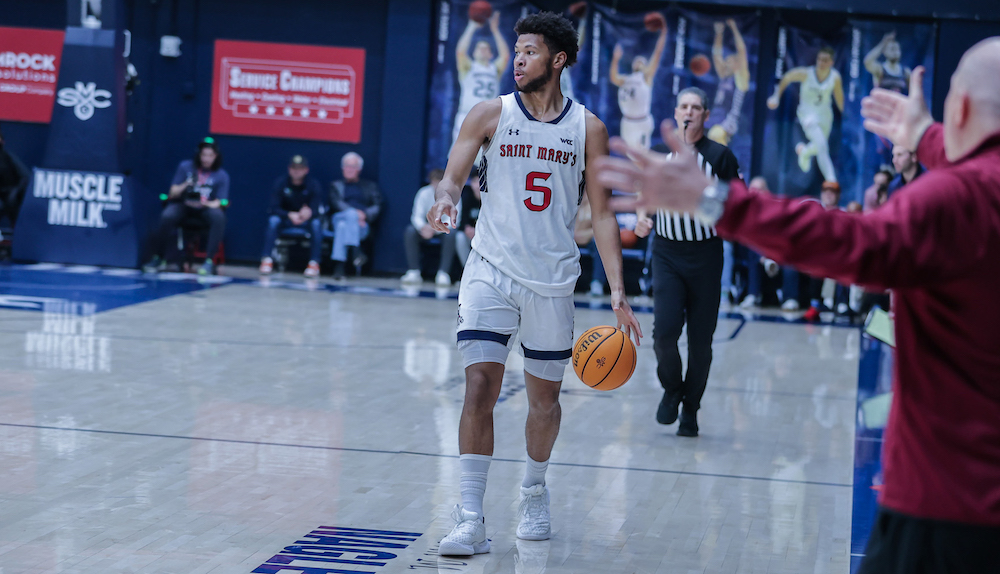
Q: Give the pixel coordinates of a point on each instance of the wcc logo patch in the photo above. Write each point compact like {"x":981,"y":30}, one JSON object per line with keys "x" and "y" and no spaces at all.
{"x":84,"y":99}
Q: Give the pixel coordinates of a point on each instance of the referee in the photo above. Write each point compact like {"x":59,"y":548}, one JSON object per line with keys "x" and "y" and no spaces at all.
{"x":687,"y":276}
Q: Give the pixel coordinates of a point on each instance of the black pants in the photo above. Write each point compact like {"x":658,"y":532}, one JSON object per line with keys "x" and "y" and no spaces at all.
{"x":687,"y":286}
{"x":901,"y":544}
{"x":412,"y":241}
{"x":176,"y":212}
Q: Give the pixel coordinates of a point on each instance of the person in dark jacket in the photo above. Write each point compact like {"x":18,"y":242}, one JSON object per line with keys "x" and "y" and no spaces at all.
{"x":295,"y":202}
{"x":14,"y":179}
{"x":936,"y":245}
{"x":356,"y":204}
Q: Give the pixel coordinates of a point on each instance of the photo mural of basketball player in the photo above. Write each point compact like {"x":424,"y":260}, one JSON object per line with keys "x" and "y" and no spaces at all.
{"x":733,"y":71}
{"x":635,"y":89}
{"x":577,"y":12}
{"x":883,"y":63}
{"x":821,"y":87}
{"x":479,"y":75}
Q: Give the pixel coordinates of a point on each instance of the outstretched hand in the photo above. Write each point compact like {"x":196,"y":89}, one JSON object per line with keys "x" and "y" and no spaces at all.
{"x":898,"y":118}
{"x":676,"y":183}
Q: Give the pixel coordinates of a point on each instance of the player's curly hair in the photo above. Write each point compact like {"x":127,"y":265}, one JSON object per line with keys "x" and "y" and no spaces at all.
{"x":557,"y":32}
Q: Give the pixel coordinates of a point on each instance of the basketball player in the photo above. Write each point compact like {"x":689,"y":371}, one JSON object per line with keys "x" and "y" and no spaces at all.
{"x":520,"y":276}
{"x":820,"y":84}
{"x":888,"y":74}
{"x":635,"y":92}
{"x":478,"y":77}
{"x":734,"y":83}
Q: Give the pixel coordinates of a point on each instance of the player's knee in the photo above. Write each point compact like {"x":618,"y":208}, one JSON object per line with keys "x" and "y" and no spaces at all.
{"x":479,"y":351}
{"x":549,"y":370}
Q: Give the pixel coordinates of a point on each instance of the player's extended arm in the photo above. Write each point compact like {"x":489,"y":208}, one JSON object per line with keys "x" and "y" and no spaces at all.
{"x":721,"y":68}
{"x":742,"y":71}
{"x":606,"y":233}
{"x":462,"y":59}
{"x":616,"y":58}
{"x":503,"y":49}
{"x":654,"y":60}
{"x":838,"y":93}
{"x":478,"y":128}
{"x":871,"y":58}
{"x":793,"y":75}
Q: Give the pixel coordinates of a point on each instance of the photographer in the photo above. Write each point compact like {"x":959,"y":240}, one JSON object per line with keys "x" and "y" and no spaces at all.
{"x":196,"y":192}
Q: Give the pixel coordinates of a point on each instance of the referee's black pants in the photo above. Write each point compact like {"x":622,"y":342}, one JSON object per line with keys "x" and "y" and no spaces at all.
{"x":687,"y":286}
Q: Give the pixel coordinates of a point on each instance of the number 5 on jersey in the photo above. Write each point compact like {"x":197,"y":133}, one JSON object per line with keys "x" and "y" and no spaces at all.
{"x":530,"y":185}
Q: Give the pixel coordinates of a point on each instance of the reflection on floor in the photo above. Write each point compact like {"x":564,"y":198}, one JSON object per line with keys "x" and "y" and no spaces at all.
{"x":166,"y":424}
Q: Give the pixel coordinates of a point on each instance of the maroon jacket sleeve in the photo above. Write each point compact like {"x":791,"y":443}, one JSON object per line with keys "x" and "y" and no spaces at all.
{"x":929,"y":231}
{"x":930,"y":150}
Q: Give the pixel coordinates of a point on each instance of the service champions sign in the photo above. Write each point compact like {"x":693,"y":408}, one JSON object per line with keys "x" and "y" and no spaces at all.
{"x":288,"y":91}
{"x":29,"y":69}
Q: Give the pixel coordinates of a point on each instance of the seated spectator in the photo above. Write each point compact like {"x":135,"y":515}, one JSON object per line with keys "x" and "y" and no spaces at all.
{"x":829,"y":197}
{"x":470,"y":203}
{"x":877,"y":193}
{"x":200,"y":189}
{"x":419,"y":232}
{"x":356,"y":204}
{"x":907,"y":168}
{"x":295,"y":202}
{"x":757,"y":265}
{"x":14,"y":179}
{"x":583,"y":233}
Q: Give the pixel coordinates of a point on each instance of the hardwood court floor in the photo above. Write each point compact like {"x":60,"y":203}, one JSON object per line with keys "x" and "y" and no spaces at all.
{"x":231,"y":429}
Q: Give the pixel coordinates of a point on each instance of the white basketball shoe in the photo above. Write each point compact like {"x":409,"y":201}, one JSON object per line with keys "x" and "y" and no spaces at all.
{"x":534,"y":514}
{"x":468,"y":537}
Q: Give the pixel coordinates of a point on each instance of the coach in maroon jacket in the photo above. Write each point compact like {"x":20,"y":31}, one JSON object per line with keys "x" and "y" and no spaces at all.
{"x":936,"y":243}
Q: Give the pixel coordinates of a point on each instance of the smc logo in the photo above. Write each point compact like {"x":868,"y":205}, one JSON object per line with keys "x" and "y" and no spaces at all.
{"x":84,"y":99}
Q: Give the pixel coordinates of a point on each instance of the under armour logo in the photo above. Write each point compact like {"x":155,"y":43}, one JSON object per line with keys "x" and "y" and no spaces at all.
{"x":513,"y":132}
{"x":84,"y":99}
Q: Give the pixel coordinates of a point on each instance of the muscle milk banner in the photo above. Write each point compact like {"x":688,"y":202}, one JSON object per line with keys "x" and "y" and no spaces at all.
{"x":29,"y":70}
{"x":288,"y":91}
{"x":77,"y":217}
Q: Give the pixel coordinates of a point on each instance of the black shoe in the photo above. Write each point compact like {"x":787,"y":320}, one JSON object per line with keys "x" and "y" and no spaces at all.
{"x":689,"y":423}
{"x":667,"y":412}
{"x":338,"y":271}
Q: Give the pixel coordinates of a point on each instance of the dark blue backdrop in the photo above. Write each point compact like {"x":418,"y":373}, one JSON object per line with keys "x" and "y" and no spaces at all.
{"x":170,"y":107}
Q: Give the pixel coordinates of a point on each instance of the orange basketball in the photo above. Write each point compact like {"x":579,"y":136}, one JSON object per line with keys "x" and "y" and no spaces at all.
{"x":700,"y":65}
{"x":578,"y":9}
{"x":654,"y":21}
{"x":629,"y":238}
{"x":480,"y":11}
{"x":604,"y":358}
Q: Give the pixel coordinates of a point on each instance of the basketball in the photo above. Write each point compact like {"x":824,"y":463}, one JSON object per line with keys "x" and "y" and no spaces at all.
{"x":480,"y":11}
{"x":604,"y":358}
{"x":654,"y":21}
{"x":629,"y":238}
{"x":578,"y":9}
{"x":700,"y":65}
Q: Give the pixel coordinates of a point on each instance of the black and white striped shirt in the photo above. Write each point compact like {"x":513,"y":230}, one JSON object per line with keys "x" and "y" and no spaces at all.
{"x":718,"y":162}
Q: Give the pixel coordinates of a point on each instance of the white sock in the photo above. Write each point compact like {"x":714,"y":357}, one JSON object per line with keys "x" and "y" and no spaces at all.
{"x":474,"y":468}
{"x":534,"y":473}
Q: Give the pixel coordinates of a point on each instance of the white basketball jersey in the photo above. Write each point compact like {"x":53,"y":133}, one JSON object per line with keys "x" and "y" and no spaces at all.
{"x":635,"y":96}
{"x":815,"y":95}
{"x":479,"y":85}
{"x":532,"y":183}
